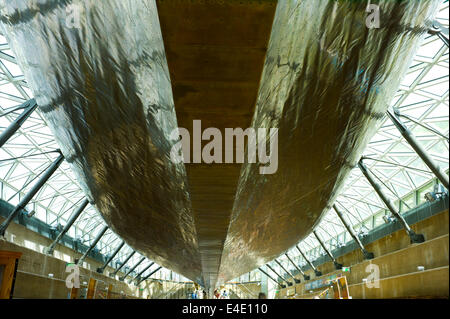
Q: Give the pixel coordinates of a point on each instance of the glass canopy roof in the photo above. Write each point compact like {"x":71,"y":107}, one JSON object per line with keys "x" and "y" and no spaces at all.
{"x":422,"y":99}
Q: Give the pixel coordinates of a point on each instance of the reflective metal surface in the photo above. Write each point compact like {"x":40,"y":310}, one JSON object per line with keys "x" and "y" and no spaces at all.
{"x":328,"y":80}
{"x":105,"y":91}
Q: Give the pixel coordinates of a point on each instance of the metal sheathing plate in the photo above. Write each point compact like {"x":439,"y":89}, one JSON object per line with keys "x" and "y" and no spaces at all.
{"x":98,"y":71}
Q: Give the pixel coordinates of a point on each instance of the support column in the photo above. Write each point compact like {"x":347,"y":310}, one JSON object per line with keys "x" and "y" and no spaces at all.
{"x":144,"y":270}
{"x":102,"y":268}
{"x":288,"y":282}
{"x":26,"y":199}
{"x":297,"y":281}
{"x":305,"y":277}
{"x":74,"y":293}
{"x":91,"y":288}
{"x":123,"y":264}
{"x":49,"y":250}
{"x":415,"y":238}
{"x":29,"y":106}
{"x":316,"y":272}
{"x":94,"y":243}
{"x":336,"y":264}
{"x":132,"y":268}
{"x":409,"y":137}
{"x":149,"y":275}
{"x":109,"y":294}
{"x":269,"y":276}
{"x":367,"y":255}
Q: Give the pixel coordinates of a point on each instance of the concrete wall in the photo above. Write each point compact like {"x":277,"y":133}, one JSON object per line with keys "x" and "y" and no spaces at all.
{"x":397,"y":259}
{"x":34,"y":267}
{"x":249,"y":290}
{"x":33,"y":276}
{"x":398,"y":262}
{"x":21,"y":236}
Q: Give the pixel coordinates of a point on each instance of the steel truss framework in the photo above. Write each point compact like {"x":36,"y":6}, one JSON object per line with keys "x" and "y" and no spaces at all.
{"x":422,"y":99}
